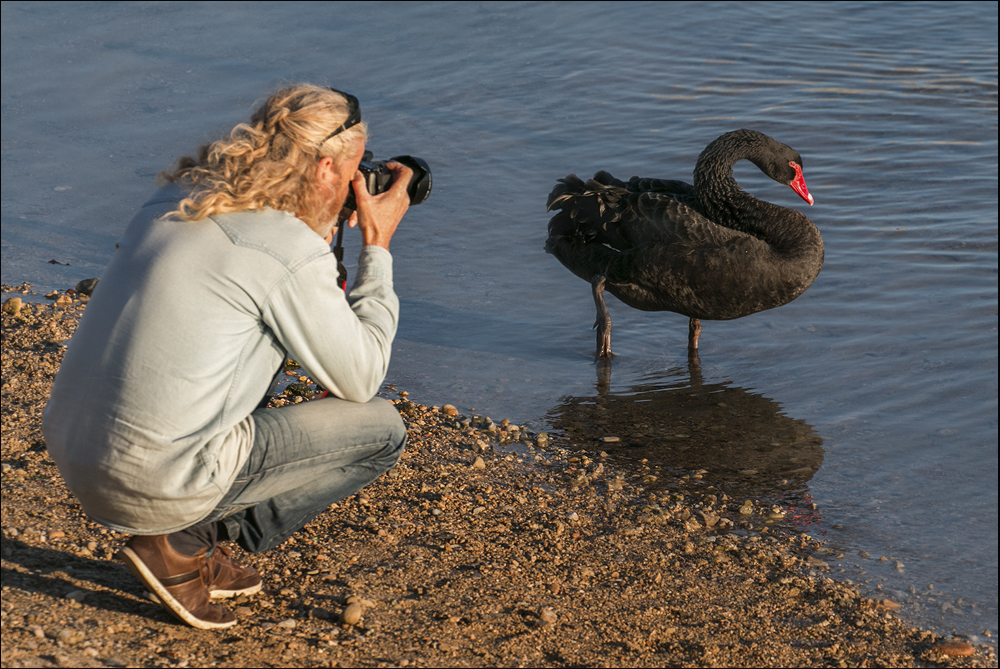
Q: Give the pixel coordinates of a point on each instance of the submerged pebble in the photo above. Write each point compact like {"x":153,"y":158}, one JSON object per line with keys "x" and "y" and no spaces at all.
{"x":953,"y":648}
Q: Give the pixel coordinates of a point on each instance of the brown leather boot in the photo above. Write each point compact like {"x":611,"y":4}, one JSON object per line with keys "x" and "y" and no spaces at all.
{"x":181,"y":582}
{"x":228,"y":577}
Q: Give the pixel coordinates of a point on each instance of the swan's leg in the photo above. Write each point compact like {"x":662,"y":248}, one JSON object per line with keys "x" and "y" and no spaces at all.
{"x":694,"y":332}
{"x":603,"y":322}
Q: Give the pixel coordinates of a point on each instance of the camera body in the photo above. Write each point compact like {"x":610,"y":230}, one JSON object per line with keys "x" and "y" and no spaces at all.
{"x":378,"y":178}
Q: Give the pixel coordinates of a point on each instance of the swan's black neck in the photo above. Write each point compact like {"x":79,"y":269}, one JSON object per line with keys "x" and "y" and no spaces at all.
{"x":723,"y":201}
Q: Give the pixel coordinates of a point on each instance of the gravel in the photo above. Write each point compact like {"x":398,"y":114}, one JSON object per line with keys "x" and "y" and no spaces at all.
{"x":486,"y":546}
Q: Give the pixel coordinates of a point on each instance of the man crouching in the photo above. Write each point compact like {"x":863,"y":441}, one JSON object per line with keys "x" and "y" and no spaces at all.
{"x":157,"y":418}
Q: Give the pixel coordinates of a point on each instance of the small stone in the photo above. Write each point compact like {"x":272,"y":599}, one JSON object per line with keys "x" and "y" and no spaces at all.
{"x":953,"y":648}
{"x":889,"y":605}
{"x":64,"y":301}
{"x":448,"y":409}
{"x":710,"y":519}
{"x":747,"y":508}
{"x":573,"y":516}
{"x":548,"y":616}
{"x":38,"y":632}
{"x":87,"y":286}
{"x":554,"y":588}
{"x":403,"y":393}
{"x":77,"y":595}
{"x":71,"y":637}
{"x":542,"y":440}
{"x":611,"y":440}
{"x":479,"y":464}
{"x":56,"y":534}
{"x":13,"y":306}
{"x":287,"y":624}
{"x":352,"y":614}
{"x":816,"y":563}
{"x":243,"y":611}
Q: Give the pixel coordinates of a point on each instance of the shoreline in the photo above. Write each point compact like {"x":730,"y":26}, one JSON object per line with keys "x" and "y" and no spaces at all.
{"x":469,"y":553}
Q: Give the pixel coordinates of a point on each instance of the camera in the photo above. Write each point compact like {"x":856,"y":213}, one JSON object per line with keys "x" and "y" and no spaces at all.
{"x":378,"y":178}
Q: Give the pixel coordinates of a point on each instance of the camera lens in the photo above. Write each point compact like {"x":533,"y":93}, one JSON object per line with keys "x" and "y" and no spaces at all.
{"x":378,"y":178}
{"x":421,"y":181}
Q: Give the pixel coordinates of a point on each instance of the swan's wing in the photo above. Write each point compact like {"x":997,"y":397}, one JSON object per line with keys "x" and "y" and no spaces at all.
{"x":679,"y":190}
{"x":651,"y":220}
{"x":603,"y":211}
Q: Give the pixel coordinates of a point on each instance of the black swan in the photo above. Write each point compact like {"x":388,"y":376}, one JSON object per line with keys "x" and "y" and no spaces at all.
{"x":709,"y":251}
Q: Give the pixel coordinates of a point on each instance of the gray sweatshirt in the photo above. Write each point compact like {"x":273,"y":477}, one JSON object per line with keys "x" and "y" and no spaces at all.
{"x":149,"y":419}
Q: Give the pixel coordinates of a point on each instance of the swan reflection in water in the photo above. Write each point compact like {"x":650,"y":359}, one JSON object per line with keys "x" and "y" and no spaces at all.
{"x":679,"y":424}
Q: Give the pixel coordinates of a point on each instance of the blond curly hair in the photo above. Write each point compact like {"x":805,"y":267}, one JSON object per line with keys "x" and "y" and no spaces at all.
{"x":270,"y":161}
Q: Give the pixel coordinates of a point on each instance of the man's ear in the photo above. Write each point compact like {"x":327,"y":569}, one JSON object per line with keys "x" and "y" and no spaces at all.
{"x":326,"y":172}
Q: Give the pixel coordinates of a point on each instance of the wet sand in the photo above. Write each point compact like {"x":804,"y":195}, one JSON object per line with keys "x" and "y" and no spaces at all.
{"x":488,"y":545}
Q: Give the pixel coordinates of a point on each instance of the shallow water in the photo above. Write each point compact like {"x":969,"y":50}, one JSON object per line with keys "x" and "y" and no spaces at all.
{"x":882,"y":376}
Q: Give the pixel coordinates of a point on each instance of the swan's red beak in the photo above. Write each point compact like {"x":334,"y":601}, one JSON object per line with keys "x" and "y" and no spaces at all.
{"x":799,"y":183}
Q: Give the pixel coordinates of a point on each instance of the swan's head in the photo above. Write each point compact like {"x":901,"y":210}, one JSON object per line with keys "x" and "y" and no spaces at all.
{"x":784,"y":164}
{"x":778,"y":161}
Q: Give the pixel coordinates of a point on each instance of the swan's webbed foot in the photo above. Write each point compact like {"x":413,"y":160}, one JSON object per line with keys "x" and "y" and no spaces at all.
{"x":694,"y":332}
{"x":603,"y":321}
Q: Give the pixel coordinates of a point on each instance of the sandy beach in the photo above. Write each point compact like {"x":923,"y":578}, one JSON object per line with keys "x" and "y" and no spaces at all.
{"x":488,"y":545}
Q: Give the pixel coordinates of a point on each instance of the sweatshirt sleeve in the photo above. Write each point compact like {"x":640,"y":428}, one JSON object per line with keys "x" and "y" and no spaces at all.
{"x":344,"y":341}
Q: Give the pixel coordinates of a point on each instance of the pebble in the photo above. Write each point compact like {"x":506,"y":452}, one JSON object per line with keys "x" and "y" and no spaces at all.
{"x":953,"y":648}
{"x":611,"y":440}
{"x":710,"y":519}
{"x":542,"y":440}
{"x":13,"y":306}
{"x":479,"y":464}
{"x":548,"y":616}
{"x":287,"y":624}
{"x":352,"y":614}
{"x":816,"y":563}
{"x":77,"y":595}
{"x":449,"y":410}
{"x":87,"y":286}
{"x":71,"y":637}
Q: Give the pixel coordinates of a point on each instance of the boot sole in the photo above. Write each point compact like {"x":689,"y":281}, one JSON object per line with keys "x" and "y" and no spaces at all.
{"x":223,"y":594}
{"x":142,"y":572}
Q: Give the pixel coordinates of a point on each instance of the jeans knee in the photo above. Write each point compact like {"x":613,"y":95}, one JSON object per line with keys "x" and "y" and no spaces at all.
{"x":397,"y":439}
{"x":395,"y":434}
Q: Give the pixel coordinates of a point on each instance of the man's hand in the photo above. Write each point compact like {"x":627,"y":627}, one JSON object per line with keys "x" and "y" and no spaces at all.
{"x":378,"y":216}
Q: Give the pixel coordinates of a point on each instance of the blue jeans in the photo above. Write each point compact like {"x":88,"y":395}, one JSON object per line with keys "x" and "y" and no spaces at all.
{"x":305,"y":457}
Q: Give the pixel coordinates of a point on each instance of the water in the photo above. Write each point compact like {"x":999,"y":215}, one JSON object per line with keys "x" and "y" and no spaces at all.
{"x":879,"y":384}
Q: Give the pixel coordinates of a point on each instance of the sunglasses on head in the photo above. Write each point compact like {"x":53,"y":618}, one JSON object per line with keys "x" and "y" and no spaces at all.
{"x":353,"y":116}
